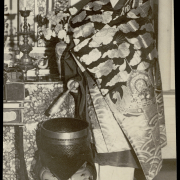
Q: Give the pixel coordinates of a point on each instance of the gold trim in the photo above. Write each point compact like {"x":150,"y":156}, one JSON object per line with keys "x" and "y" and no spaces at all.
{"x":65,"y":143}
{"x":69,"y":135}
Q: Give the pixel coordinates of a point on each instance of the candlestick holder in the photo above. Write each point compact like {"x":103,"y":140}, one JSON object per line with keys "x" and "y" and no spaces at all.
{"x":25,"y":61}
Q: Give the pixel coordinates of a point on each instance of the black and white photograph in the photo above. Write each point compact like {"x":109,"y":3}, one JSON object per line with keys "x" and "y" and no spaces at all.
{"x":89,"y":90}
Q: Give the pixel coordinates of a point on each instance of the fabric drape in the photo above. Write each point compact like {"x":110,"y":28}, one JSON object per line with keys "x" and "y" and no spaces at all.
{"x":116,"y":50}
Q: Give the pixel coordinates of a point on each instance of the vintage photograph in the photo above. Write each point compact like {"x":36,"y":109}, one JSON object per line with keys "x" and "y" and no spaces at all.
{"x":89,"y":90}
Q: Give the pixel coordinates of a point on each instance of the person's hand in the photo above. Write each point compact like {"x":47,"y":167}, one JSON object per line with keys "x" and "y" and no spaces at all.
{"x":73,"y":85}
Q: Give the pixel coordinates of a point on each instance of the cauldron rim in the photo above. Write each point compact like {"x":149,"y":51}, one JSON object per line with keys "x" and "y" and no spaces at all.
{"x":65,"y":135}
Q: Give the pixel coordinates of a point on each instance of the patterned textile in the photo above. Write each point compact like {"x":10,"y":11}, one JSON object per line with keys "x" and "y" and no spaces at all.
{"x":41,"y":95}
{"x":116,"y":48}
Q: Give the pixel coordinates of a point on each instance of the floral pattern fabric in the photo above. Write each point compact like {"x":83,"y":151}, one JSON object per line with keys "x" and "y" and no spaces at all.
{"x":41,"y":95}
{"x":116,"y":48}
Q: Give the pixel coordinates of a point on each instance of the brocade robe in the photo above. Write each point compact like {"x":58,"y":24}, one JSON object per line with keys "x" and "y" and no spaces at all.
{"x":116,"y":51}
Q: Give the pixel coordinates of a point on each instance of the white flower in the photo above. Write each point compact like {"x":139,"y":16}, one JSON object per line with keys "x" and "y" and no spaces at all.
{"x":66,"y":15}
{"x":53,"y":34}
{"x":58,"y":28}
{"x":73,"y":10}
{"x":50,"y":14}
{"x":66,"y":26}
{"x":47,"y":33}
{"x":47,"y":37}
{"x":67,"y":39}
{"x":62,"y":34}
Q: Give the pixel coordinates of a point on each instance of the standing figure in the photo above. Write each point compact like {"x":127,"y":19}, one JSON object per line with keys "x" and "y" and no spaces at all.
{"x":113,"y":56}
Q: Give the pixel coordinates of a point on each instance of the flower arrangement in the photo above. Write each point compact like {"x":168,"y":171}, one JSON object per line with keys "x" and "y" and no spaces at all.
{"x":59,"y":26}
{"x":53,"y":27}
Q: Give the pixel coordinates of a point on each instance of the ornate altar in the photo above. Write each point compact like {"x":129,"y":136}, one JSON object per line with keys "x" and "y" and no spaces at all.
{"x":28,"y":90}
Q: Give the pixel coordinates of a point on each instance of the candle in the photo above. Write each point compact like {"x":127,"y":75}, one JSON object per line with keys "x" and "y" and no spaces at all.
{"x":50,"y":9}
{"x":52,"y":5}
{"x":47,"y":6}
{"x":25,"y":4}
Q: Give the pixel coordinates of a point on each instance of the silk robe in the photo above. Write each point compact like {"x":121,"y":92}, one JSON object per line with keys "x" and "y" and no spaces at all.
{"x":115,"y":50}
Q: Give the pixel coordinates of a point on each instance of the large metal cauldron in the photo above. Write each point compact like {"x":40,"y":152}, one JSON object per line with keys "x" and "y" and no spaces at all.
{"x":64,"y":136}
{"x":67,"y":145}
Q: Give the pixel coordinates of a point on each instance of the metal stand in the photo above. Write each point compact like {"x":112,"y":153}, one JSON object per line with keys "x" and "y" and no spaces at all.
{"x":26,"y":61}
